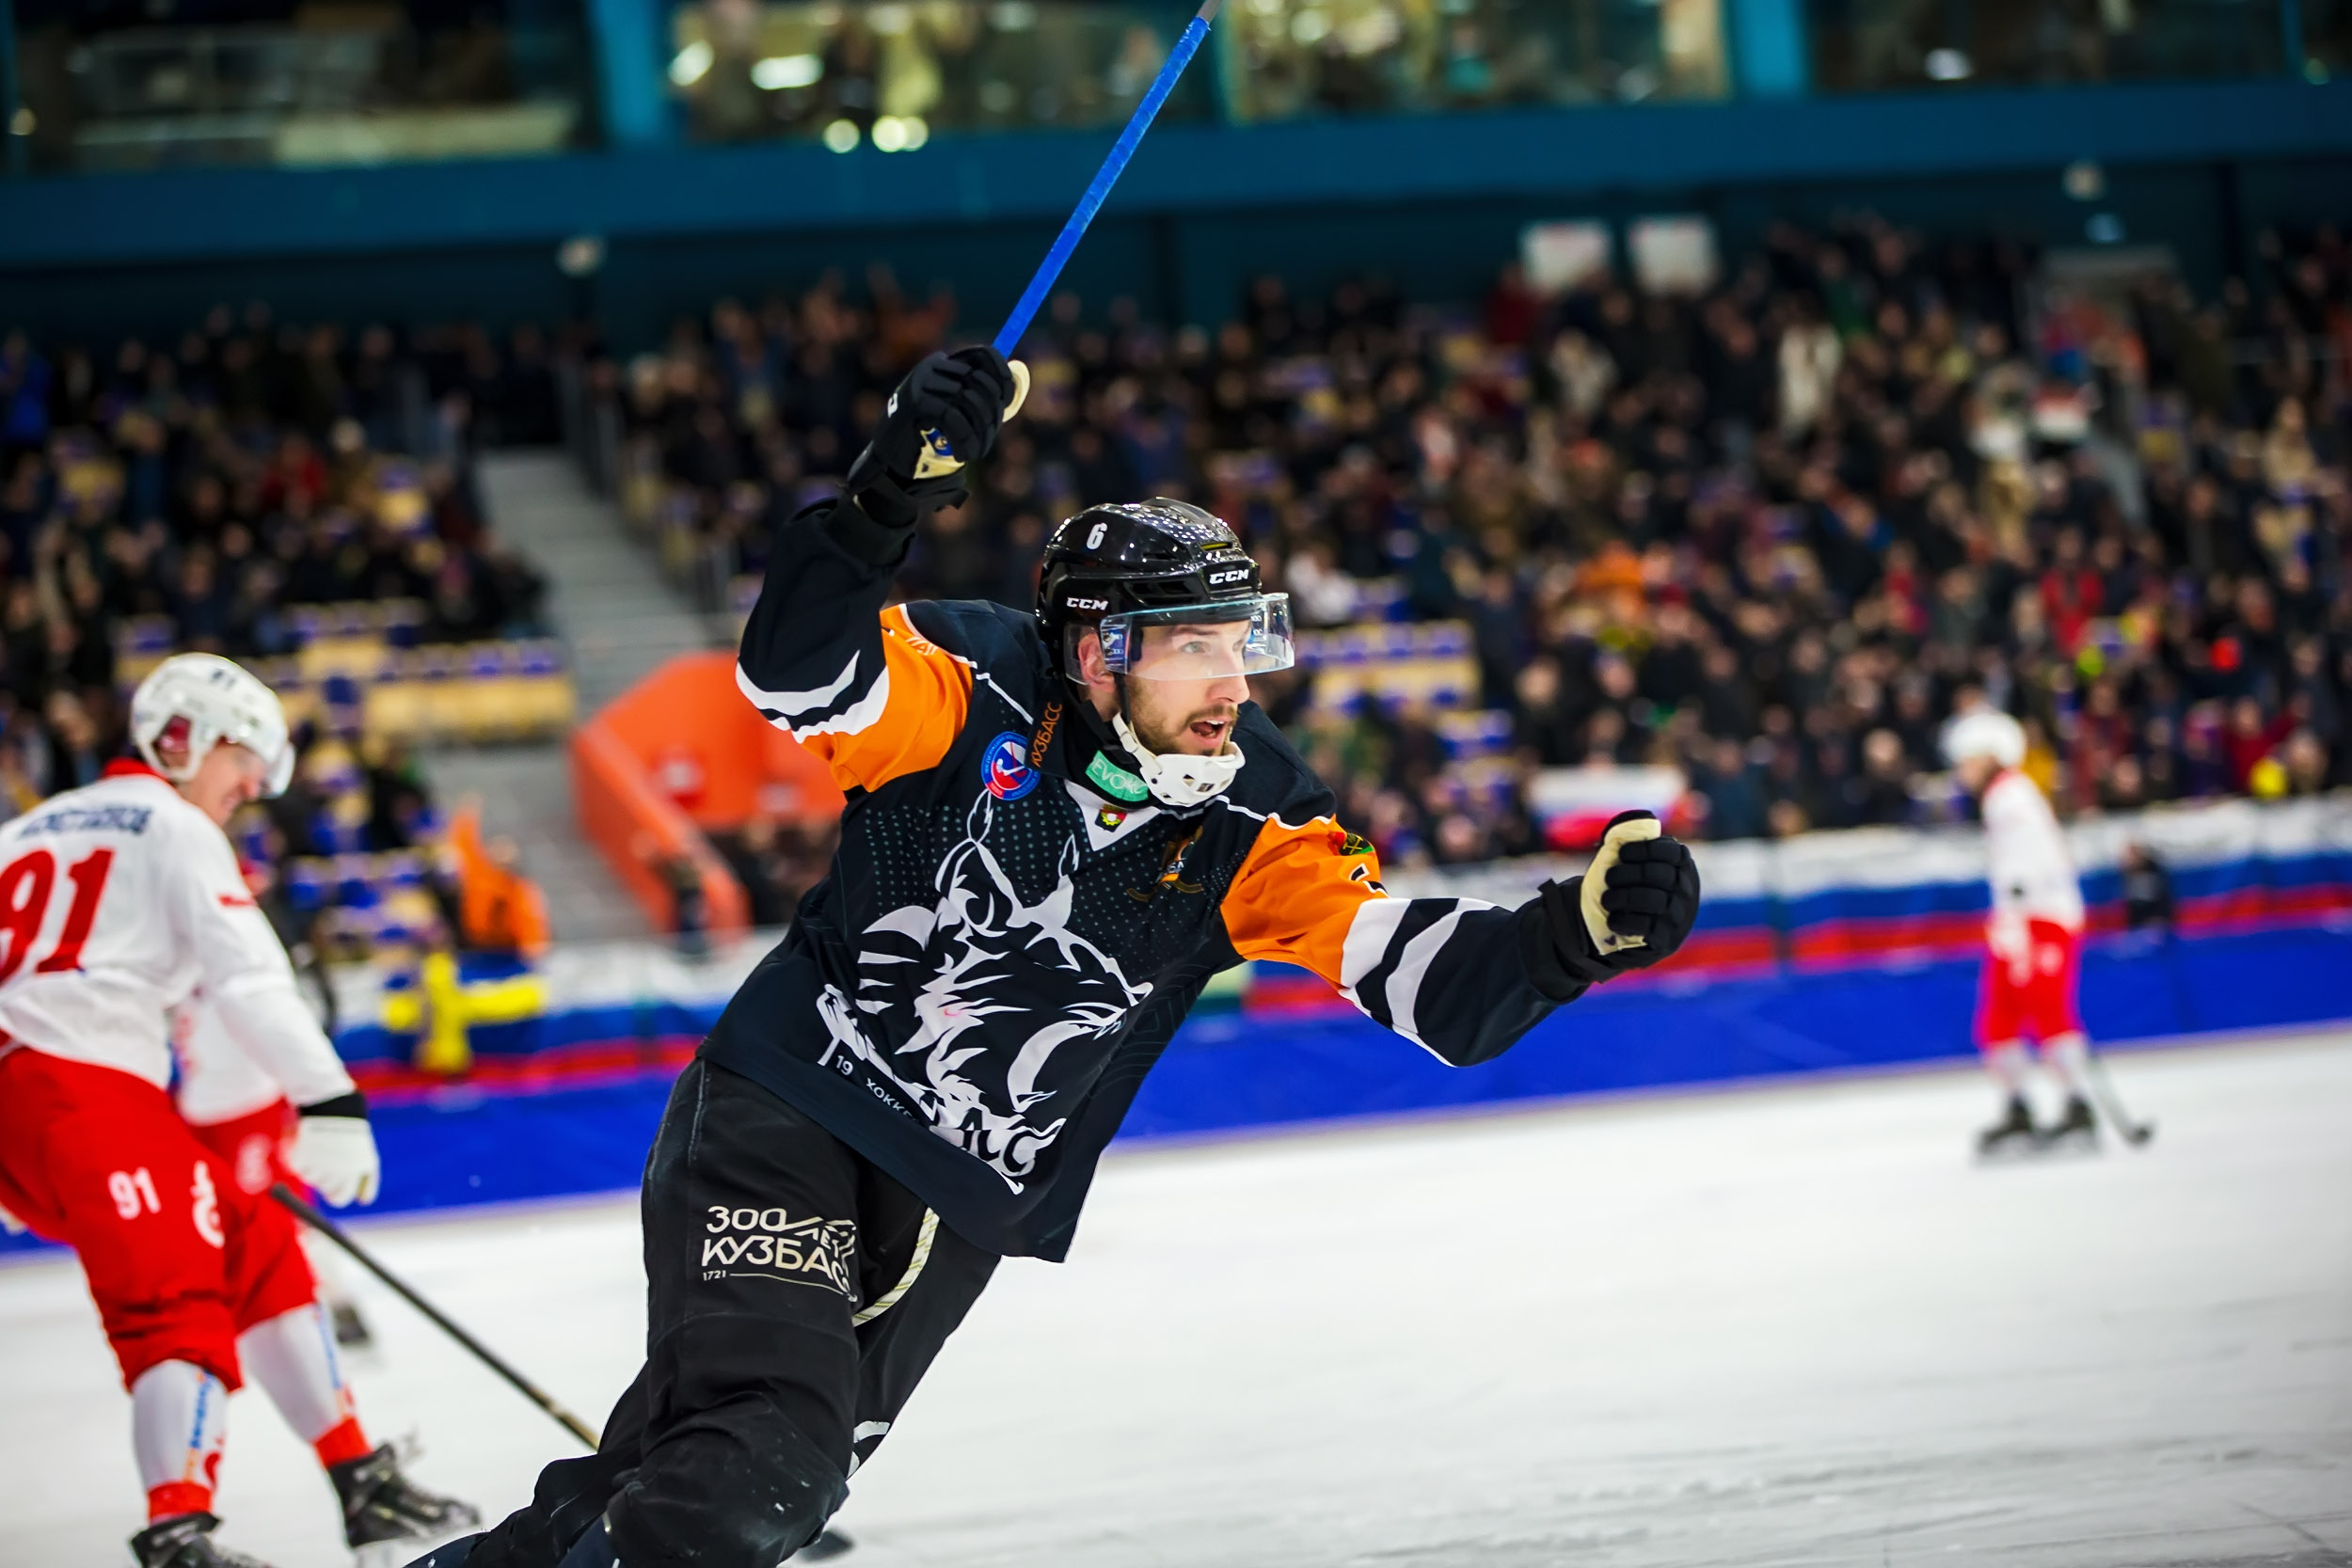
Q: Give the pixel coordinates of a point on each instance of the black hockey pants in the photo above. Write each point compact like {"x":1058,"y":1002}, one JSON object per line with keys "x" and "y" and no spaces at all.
{"x":765,"y":1240}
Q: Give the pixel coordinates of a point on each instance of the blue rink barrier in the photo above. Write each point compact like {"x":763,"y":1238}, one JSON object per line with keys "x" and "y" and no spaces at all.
{"x":1230,"y":1070}
{"x":1238,"y":1071}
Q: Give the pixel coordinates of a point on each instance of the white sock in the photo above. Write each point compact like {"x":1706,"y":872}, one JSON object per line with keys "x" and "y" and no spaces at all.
{"x":179,"y":1421}
{"x":2069,"y":1057}
{"x":293,"y":1356}
{"x":2005,"y":1062}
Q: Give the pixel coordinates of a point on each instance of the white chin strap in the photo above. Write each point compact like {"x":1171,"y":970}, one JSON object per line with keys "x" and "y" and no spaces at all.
{"x":1179,"y":778}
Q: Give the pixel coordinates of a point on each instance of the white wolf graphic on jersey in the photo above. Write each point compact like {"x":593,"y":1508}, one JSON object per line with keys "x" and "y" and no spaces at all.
{"x":962,"y":947}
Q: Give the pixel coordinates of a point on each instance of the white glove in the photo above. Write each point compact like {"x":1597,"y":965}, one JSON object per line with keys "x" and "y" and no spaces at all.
{"x":10,"y":1224}
{"x":336,"y":1154}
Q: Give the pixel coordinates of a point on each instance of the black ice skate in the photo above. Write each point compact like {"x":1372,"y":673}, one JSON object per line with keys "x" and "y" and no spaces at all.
{"x":186,"y":1542}
{"x":388,"y":1520}
{"x":351,"y":1330}
{"x":2075,"y":1133}
{"x":2013,"y":1134}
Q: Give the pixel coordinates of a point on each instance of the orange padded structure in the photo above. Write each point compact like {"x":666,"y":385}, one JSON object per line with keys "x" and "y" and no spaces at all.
{"x":680,"y":752}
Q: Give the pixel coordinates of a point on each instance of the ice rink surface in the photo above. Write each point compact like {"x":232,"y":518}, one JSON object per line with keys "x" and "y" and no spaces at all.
{"x":1784,"y":1325}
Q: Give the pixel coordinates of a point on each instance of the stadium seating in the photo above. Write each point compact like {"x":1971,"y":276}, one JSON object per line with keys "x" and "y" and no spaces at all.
{"x":191,"y":497}
{"x":1757,"y":539}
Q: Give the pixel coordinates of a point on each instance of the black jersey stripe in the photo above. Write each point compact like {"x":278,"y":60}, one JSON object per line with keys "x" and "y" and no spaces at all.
{"x":1372,"y":991}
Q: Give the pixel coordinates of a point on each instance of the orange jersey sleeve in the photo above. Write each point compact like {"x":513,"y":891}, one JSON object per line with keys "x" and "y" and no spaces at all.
{"x":1447,"y":974}
{"x":927,"y":692}
{"x":828,"y":660}
{"x":1297,"y":893}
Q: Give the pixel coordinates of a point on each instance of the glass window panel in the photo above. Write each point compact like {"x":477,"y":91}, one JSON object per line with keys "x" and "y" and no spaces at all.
{"x":1867,"y":45}
{"x":2327,"y":38}
{"x":893,"y":72}
{"x":1288,"y":58}
{"x":170,"y":83}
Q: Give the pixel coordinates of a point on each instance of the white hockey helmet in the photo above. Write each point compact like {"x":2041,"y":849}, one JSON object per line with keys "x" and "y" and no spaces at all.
{"x":217,"y":700}
{"x":1986,"y":732}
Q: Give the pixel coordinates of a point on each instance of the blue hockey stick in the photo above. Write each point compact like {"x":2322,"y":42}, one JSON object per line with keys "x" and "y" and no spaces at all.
{"x":1008,"y":339}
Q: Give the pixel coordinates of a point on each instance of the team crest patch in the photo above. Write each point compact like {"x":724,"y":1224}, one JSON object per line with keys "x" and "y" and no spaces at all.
{"x":1005,"y":767}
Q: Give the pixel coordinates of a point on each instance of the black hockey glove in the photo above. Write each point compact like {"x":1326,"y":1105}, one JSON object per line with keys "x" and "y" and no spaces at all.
{"x":943,"y":416}
{"x":1630,"y":910}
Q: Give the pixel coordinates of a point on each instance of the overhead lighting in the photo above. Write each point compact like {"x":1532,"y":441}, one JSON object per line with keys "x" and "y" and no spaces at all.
{"x":581,"y":255}
{"x":1370,"y":33}
{"x":841,"y":136}
{"x":1949,"y":65}
{"x":780,"y":73}
{"x":2084,"y":181}
{"x":901,"y":133}
{"x":692,"y":64}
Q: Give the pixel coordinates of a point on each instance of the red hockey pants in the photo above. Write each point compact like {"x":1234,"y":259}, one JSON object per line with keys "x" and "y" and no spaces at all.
{"x":179,"y":1258}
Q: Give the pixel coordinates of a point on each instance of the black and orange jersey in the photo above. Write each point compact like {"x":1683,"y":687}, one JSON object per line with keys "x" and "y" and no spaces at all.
{"x":973,"y":996}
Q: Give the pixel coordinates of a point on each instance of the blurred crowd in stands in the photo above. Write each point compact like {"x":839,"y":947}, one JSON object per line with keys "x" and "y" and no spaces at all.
{"x":291,"y":496}
{"x":1771,"y":534}
{"x":1762,"y":538}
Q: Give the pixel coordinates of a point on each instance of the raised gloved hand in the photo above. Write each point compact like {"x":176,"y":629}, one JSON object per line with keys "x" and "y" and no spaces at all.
{"x":1631,"y":908}
{"x":334,"y":1150}
{"x":944,"y":415}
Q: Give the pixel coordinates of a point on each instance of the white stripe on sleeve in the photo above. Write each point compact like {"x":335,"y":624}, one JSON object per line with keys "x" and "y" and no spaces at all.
{"x":1367,"y":943}
{"x":851,"y":719}
{"x":791,"y":702}
{"x":1403,"y":986}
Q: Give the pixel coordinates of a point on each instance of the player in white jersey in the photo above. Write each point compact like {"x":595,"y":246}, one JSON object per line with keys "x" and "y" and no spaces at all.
{"x":117,"y":901}
{"x":2033,"y":938}
{"x":243,"y":1115}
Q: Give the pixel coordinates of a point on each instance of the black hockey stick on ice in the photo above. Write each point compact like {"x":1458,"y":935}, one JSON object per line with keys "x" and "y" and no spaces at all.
{"x":308,"y":1213}
{"x":2111,"y":1103}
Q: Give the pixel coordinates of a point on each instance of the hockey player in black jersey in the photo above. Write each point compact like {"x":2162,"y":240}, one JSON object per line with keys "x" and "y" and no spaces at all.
{"x":1060,"y":826}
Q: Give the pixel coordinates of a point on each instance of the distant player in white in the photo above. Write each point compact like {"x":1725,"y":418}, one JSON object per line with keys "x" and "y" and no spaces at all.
{"x":117,"y":902}
{"x":2033,"y":940}
{"x":242,"y":1113}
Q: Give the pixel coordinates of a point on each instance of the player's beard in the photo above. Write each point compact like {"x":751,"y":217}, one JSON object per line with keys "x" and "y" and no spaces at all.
{"x":1174,"y":733}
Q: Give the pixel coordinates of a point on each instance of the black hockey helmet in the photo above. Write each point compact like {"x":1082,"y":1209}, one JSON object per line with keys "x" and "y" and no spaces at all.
{"x":1158,"y":554}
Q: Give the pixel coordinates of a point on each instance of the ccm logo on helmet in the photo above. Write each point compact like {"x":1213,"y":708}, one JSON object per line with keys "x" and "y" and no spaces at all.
{"x":1087,"y":604}
{"x":1233,"y":576}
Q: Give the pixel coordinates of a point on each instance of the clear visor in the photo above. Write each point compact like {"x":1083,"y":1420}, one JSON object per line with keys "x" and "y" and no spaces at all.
{"x":270,"y":773}
{"x":273,"y":754}
{"x":1200,"y":642}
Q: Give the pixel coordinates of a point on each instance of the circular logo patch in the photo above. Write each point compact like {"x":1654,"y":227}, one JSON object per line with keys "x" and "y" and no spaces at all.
{"x":1005,"y":767}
